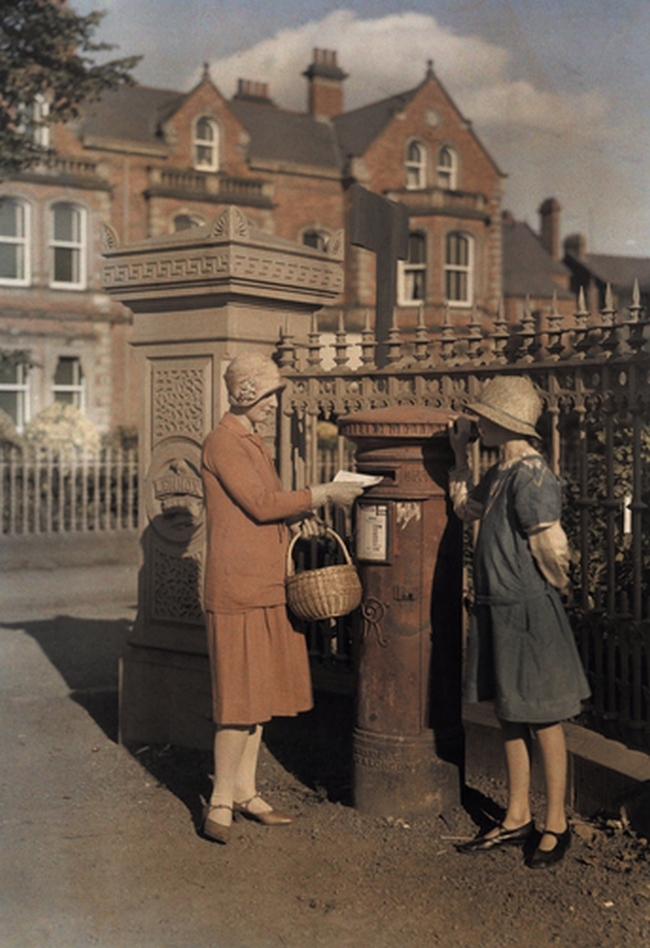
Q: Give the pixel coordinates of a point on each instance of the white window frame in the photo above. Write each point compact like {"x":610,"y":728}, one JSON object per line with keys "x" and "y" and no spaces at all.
{"x":21,"y":388}
{"x":466,"y":269}
{"x":448,"y":172}
{"x":20,"y":240}
{"x":77,"y":388}
{"x":78,"y":245}
{"x":40,"y":128}
{"x":406,"y":275}
{"x":32,"y":122}
{"x":416,"y":168}
{"x":211,"y":144}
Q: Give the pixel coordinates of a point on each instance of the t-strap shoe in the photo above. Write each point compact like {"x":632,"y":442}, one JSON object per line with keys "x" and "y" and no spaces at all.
{"x":542,"y":858}
{"x":267,"y":817}
{"x":218,"y":832}
{"x":483,"y":844}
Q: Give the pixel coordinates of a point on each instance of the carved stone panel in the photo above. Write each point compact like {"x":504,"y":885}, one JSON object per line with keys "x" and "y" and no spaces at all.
{"x":174,"y":492}
{"x":179,"y":398}
{"x":176,"y":583}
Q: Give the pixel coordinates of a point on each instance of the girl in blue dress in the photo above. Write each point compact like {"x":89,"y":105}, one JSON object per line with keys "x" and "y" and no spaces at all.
{"x":521,"y":651}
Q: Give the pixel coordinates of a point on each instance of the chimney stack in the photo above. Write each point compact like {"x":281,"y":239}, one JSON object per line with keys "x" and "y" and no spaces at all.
{"x":549,"y":216}
{"x":575,"y":245}
{"x":251,"y":91}
{"x":325,"y":90}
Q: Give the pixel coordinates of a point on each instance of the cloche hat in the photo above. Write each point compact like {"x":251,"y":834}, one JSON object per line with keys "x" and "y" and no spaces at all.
{"x":512,"y":402}
{"x":249,"y":377}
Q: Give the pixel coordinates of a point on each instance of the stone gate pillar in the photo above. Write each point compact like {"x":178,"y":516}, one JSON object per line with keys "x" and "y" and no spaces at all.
{"x":198,"y":299}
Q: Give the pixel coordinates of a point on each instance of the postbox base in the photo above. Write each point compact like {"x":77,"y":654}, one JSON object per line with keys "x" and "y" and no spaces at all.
{"x":402,"y":776}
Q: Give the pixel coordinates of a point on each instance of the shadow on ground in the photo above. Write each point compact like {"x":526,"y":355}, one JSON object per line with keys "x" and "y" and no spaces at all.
{"x":86,"y":654}
{"x":316,"y":747}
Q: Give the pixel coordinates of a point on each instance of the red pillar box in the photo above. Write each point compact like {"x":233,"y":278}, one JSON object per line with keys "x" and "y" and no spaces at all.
{"x":408,"y":739}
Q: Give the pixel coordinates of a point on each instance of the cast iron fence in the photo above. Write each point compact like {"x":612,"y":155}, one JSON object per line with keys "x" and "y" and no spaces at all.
{"x":594,"y":377}
{"x":49,"y":492}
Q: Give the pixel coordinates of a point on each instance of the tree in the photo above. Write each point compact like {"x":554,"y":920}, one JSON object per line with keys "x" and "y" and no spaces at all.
{"x":46,"y":57}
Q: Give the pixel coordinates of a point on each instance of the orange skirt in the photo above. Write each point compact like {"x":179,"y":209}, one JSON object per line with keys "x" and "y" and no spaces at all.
{"x":259,"y":666}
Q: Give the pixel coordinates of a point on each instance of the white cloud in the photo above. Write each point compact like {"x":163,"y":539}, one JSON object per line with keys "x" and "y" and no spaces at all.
{"x":519,"y":103}
{"x":372,"y":51}
{"x":389,"y":54}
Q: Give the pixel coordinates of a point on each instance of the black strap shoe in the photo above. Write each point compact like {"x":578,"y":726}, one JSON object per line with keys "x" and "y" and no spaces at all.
{"x":483,"y":844}
{"x":542,"y":858}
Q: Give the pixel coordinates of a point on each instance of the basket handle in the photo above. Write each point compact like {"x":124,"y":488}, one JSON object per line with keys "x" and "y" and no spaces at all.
{"x":328,"y":531}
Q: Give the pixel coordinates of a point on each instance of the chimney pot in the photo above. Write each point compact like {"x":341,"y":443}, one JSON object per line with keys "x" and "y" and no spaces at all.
{"x":549,"y":213}
{"x":575,"y":245}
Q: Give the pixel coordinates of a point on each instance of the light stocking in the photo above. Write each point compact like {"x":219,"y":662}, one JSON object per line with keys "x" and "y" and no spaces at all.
{"x":229,"y":746}
{"x":245,"y":787}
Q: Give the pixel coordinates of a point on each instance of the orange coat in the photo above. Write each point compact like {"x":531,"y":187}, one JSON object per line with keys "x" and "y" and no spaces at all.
{"x":245,"y":510}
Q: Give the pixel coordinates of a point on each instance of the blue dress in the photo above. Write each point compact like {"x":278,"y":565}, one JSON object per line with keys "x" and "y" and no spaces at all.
{"x":521,"y":651}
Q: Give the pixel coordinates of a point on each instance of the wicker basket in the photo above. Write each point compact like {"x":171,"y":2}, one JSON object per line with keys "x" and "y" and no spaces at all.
{"x":323,"y":593}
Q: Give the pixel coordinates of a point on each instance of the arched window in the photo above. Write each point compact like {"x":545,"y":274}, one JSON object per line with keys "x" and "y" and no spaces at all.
{"x":206,"y":144}
{"x":186,"y":221}
{"x":68,"y":385}
{"x":14,"y":242}
{"x":416,"y":166}
{"x":459,"y":267}
{"x":412,"y":274}
{"x":315,"y":238}
{"x":68,"y":246}
{"x":447,"y":168}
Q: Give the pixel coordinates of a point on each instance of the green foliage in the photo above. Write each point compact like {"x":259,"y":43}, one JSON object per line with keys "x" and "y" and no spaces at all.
{"x":64,"y":429}
{"x":44,"y":50}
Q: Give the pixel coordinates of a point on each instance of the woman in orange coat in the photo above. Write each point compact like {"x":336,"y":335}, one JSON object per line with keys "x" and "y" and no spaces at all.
{"x":258,"y":662}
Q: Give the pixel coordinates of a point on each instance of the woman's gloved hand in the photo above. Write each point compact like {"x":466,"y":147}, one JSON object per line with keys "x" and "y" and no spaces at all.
{"x":310,"y":526}
{"x":343,"y":493}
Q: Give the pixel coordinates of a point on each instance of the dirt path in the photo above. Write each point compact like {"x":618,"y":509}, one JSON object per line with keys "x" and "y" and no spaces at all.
{"x":100,"y":846}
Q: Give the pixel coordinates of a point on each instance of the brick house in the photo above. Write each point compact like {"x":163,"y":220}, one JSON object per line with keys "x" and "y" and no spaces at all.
{"x":147,"y":162}
{"x":534,"y":276}
{"x":594,"y":272}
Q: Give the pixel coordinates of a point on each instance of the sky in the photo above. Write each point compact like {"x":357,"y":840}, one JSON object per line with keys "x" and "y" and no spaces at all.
{"x":558,"y":91}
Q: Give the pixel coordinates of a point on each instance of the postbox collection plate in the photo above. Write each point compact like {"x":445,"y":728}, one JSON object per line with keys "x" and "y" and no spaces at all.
{"x":373,"y":528}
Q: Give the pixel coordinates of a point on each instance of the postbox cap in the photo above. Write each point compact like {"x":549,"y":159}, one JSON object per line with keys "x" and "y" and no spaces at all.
{"x":512,"y":402}
{"x":249,"y":377}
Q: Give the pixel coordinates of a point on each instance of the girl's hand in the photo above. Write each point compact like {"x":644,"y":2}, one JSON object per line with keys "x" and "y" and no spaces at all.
{"x":459,"y":435}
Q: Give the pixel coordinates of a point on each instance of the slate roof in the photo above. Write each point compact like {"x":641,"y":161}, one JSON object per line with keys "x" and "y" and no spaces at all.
{"x":280,"y":135}
{"x":130,"y":113}
{"x":619,"y":271}
{"x":356,"y":130}
{"x":527,"y":265}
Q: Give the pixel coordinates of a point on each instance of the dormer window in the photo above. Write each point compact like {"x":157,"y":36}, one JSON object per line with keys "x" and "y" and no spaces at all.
{"x":416,"y":166}
{"x":40,"y":128}
{"x":206,"y":145}
{"x":34,"y":121}
{"x":447,"y":168}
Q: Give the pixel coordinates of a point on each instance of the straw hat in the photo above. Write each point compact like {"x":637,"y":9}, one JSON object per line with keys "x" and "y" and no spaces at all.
{"x":512,"y":402}
{"x":251,"y":376}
